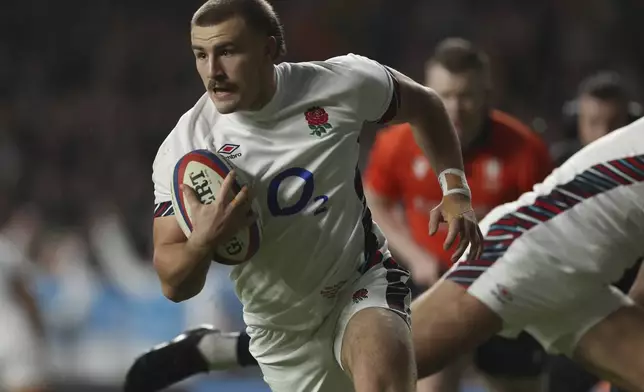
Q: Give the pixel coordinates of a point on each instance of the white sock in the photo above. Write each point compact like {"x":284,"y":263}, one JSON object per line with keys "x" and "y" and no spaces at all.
{"x":220,"y":350}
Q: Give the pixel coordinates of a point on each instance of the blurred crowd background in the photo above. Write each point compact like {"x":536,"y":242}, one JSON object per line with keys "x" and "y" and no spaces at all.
{"x":89,"y":90}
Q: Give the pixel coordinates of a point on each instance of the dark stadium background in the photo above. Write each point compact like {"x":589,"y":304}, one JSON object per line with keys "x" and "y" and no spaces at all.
{"x":89,"y":89}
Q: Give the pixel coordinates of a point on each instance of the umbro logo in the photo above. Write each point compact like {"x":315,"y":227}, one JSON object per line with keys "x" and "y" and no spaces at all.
{"x":228,"y":151}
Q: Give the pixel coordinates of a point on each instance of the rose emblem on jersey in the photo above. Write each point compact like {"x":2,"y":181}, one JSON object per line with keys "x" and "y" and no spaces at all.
{"x":360,"y":295}
{"x":316,"y":116}
{"x":318,"y":120}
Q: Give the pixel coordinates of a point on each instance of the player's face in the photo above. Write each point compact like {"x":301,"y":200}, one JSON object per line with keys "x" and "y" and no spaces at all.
{"x":235,"y":64}
{"x":465,"y":97}
{"x":598,"y":117}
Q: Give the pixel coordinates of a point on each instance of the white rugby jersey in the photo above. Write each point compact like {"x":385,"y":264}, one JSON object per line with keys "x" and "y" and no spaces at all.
{"x":300,"y":153}
{"x":588,"y":212}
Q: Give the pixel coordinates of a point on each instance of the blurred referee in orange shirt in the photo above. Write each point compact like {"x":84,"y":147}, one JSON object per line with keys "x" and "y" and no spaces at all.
{"x":503,"y":159}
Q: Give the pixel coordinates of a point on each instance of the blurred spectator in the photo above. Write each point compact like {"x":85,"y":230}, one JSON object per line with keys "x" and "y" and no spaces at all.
{"x":602,"y":105}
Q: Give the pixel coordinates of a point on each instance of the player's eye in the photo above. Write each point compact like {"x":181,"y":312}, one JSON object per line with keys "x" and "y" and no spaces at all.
{"x":200,"y":55}
{"x":226,"y":52}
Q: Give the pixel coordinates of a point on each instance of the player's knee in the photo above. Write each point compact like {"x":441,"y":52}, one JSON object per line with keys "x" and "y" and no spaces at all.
{"x":383,"y":383}
{"x":384,"y":378}
{"x":377,"y":352}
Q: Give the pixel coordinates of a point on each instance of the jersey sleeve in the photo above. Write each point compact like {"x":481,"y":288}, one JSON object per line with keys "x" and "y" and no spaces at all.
{"x":381,"y":176}
{"x":162,"y":179}
{"x":534,"y":166}
{"x":372,"y":86}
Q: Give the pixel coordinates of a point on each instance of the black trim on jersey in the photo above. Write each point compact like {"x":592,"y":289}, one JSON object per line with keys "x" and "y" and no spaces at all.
{"x":398,"y":293}
{"x":394,"y":104}
{"x":371,"y":244}
{"x":597,"y":179}
{"x":163,"y":209}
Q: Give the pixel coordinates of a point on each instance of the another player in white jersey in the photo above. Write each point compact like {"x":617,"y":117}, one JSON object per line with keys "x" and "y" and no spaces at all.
{"x":327,"y":308}
{"x":547,"y":266}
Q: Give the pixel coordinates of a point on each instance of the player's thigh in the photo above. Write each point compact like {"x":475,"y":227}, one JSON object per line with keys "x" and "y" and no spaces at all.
{"x":448,"y":379}
{"x":612,"y":347}
{"x":448,"y":323}
{"x":373,"y":329}
{"x":377,"y":351}
{"x":299,"y":361}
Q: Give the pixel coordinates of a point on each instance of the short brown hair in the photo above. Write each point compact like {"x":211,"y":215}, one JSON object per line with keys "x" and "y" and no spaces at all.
{"x":604,"y":85}
{"x":259,"y":15}
{"x":458,"y":55}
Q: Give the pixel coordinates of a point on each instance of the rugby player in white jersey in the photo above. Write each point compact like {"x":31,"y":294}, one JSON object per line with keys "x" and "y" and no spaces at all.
{"x":547,"y":266}
{"x":327,"y":308}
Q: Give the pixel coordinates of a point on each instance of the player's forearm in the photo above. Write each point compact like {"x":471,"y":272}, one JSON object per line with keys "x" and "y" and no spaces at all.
{"x":436,"y":135}
{"x":182,"y":270}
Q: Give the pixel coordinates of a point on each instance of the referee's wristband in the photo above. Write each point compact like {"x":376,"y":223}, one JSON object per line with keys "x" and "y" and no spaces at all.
{"x":463,"y":189}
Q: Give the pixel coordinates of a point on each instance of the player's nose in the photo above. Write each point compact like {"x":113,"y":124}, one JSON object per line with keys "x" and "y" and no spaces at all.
{"x":215,"y":70}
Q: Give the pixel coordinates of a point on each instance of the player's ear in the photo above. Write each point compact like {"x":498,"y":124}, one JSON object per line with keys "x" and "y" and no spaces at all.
{"x":271,"y":48}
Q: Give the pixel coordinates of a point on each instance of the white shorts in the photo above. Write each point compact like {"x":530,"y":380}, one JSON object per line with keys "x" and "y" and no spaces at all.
{"x":556,"y":308}
{"x":309,"y":361}
{"x":541,"y":293}
{"x":20,"y":357}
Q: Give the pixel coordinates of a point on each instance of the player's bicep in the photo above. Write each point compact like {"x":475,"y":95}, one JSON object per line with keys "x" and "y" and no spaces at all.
{"x":166,"y":231}
{"x":412,"y":102}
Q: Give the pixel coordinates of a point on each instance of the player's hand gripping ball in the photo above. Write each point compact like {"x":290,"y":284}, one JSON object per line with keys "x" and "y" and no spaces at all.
{"x":204,"y":172}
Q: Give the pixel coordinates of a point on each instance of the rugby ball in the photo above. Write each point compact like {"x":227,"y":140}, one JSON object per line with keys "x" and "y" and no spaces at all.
{"x":204,"y":171}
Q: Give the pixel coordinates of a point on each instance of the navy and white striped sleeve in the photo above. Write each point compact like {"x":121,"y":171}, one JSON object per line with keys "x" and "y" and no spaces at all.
{"x":163,"y":209}
{"x":162,"y":177}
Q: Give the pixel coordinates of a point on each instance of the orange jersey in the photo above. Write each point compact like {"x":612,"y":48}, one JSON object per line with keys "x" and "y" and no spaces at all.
{"x":507,"y":162}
